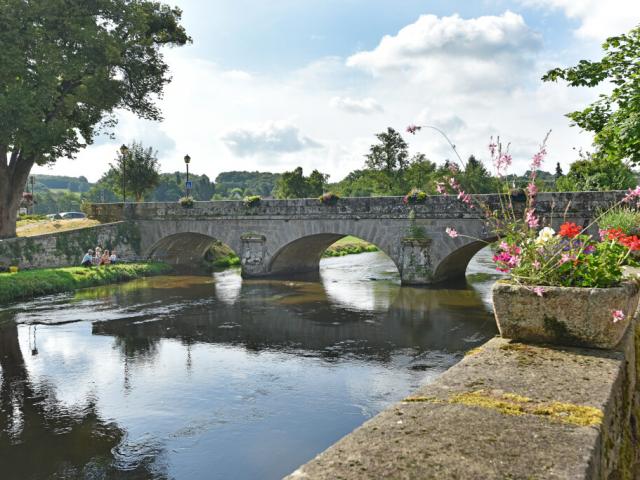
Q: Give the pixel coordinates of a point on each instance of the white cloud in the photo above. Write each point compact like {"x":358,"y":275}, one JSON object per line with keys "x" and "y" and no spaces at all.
{"x":272,"y":138}
{"x":599,"y":19}
{"x":363,"y":106}
{"x":488,"y":51}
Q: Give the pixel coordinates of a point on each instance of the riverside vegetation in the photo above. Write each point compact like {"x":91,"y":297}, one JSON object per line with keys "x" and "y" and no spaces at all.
{"x":31,"y":283}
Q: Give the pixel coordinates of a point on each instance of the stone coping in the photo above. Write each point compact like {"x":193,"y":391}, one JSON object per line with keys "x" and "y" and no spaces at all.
{"x":506,"y":411}
{"x":551,"y":204}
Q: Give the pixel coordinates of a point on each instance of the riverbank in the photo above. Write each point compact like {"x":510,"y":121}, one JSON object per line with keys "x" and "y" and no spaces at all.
{"x":32,"y":283}
{"x":349,"y":246}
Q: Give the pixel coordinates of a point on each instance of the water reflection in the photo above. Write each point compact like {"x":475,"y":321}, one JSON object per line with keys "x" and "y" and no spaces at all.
{"x":214,"y":377}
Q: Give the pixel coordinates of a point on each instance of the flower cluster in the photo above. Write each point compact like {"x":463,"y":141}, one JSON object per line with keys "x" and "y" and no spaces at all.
{"x":632,"y":242}
{"x":414,"y":196}
{"x":329,"y":198}
{"x":252,"y":200}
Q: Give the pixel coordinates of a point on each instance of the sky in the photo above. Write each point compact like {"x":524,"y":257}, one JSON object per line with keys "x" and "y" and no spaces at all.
{"x":270,"y":86}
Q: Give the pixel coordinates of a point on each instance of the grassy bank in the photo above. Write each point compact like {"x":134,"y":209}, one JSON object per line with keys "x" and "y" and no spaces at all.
{"x":32,"y":283}
{"x":349,"y":246}
{"x":32,"y":226}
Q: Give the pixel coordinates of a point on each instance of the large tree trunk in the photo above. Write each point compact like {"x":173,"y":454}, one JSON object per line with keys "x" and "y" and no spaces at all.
{"x":14,"y":172}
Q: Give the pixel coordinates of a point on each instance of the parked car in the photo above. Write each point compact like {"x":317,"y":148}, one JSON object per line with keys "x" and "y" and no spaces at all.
{"x":54,"y":216}
{"x":69,"y":215}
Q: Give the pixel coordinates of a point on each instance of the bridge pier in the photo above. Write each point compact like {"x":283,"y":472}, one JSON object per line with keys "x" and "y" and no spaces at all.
{"x":415,"y":265}
{"x":253,"y":255}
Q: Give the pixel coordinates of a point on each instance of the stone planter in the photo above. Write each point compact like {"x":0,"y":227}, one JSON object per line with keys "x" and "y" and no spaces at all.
{"x":564,"y":315}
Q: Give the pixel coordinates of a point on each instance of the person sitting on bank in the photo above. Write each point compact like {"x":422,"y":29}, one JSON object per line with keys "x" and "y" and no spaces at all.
{"x":105,"y":260}
{"x":87,"y":260}
{"x":98,"y":256}
{"x":113,"y":258}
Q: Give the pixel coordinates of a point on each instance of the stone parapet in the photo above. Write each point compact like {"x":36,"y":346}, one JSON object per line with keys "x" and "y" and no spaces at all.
{"x":507,"y":410}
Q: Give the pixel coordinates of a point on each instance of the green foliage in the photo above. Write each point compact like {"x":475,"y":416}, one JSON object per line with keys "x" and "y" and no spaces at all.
{"x":390,"y":154}
{"x":73,"y":184}
{"x":414,"y":196}
{"x":613,"y":118}
{"x":475,"y":178}
{"x":186,"y":202}
{"x":138,"y":167}
{"x":252,"y":200}
{"x":31,"y":283}
{"x":295,"y":185}
{"x":597,"y":173}
{"x":249,"y":183}
{"x":329,"y":198}
{"x":625,"y":218}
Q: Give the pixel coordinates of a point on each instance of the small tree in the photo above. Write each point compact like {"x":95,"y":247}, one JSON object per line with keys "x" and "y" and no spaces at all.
{"x":559,"y":172}
{"x":139,"y":168}
{"x":614,"y":118}
{"x":66,"y":66}
{"x":597,"y":173}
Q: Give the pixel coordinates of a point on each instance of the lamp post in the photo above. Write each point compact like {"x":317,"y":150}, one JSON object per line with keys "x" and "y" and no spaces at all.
{"x":124,"y":151}
{"x":187,"y":160}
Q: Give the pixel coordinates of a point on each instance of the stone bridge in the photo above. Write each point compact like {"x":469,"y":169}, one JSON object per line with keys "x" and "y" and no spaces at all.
{"x":285,"y":237}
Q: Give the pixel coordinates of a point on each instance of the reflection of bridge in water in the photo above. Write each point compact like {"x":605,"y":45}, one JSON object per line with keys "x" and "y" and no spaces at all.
{"x":299,"y":316}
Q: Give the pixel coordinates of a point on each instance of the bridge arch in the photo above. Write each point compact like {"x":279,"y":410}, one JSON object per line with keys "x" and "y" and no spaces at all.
{"x":454,"y":265}
{"x":187,"y":249}
{"x":303,"y":254}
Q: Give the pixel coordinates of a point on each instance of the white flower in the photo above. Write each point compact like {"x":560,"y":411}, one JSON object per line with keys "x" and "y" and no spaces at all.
{"x":545,"y":235}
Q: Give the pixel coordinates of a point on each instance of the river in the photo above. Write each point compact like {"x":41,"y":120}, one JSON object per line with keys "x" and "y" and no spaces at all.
{"x":215,"y":377}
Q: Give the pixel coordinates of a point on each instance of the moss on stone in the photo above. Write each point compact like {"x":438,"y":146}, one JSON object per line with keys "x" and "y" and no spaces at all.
{"x":514,"y":404}
{"x":473,"y":351}
{"x":418,"y":399}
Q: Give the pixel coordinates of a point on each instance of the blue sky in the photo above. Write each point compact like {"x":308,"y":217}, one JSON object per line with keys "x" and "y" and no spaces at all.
{"x":273,"y":85}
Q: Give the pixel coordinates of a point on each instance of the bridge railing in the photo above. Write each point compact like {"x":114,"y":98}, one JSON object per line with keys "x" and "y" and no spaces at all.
{"x":550,"y":204}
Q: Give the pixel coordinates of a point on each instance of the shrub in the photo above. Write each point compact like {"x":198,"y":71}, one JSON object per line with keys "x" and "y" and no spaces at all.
{"x":414,"y":196}
{"x":186,"y":202}
{"x":329,"y":198}
{"x":626,"y":219}
{"x":252,"y":200}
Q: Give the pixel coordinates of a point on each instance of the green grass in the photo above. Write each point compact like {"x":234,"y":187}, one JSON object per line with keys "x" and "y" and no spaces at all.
{"x":227,"y":261}
{"x":32,"y":283}
{"x":349,"y":246}
{"x":625,"y":218}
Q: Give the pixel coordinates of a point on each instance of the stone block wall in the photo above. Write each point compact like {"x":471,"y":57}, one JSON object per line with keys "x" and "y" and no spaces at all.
{"x":67,"y":248}
{"x":507,"y":410}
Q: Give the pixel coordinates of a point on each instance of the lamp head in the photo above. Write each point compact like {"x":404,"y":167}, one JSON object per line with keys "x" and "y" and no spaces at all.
{"x":124,"y":149}
{"x":187,"y":159}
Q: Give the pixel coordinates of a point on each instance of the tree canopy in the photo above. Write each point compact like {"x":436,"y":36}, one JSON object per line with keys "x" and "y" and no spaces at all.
{"x":67,"y":65}
{"x":613,"y":118}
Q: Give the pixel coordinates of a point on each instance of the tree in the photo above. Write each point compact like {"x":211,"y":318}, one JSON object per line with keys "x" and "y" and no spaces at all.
{"x":316,"y":183}
{"x":597,"y":173}
{"x":559,"y":172}
{"x":390,"y":157}
{"x":420,"y":172}
{"x":613,"y":118}
{"x":67,"y":65}
{"x":140,"y":169}
{"x":295,"y":185}
{"x":475,"y":178}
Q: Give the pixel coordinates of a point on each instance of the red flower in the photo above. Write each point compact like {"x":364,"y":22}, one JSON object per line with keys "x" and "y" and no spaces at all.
{"x":631,"y":242}
{"x":570,"y":230}
{"x":615,"y":234}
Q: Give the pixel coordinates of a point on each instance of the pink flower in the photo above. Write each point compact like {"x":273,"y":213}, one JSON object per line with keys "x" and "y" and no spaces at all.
{"x":538,"y":291}
{"x":635,"y":193}
{"x":536,"y":264}
{"x":492,"y":147}
{"x":412,"y":129}
{"x":531,"y":218}
{"x":504,"y":246}
{"x":452,"y":232}
{"x":454,"y":184}
{"x":532,"y":189}
{"x":617,"y":315}
{"x":465,"y":197}
{"x":502,"y":162}
{"x":604,"y":234}
{"x":453,"y":168}
{"x":538,"y":158}
{"x":441,"y":188}
{"x":564,"y":259}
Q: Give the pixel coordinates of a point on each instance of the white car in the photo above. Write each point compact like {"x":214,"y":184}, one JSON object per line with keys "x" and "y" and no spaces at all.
{"x":69,"y":215}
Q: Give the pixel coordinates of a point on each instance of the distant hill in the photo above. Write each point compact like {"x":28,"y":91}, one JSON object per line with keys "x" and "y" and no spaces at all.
{"x":57,"y":182}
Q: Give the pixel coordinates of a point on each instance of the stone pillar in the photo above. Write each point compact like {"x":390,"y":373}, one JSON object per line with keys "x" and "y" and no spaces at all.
{"x":415,"y":264}
{"x":253,"y":255}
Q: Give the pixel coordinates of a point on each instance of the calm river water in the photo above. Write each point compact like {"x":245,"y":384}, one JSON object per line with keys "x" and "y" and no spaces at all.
{"x":219,"y":378}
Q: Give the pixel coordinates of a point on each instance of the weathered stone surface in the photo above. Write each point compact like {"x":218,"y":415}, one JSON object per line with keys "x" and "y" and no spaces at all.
{"x":564,"y":315}
{"x":507,"y":411}
{"x":296,"y":232}
{"x":67,"y":248}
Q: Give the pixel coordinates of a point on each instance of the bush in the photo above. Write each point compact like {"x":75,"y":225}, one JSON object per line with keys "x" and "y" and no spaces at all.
{"x":186,"y":202}
{"x":252,"y":200}
{"x":329,"y":198}
{"x":414,"y":196}
{"x":623,"y":218}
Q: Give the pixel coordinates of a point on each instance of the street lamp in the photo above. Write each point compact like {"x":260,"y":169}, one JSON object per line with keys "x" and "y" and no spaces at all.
{"x":124,"y":151}
{"x":187,"y":161}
